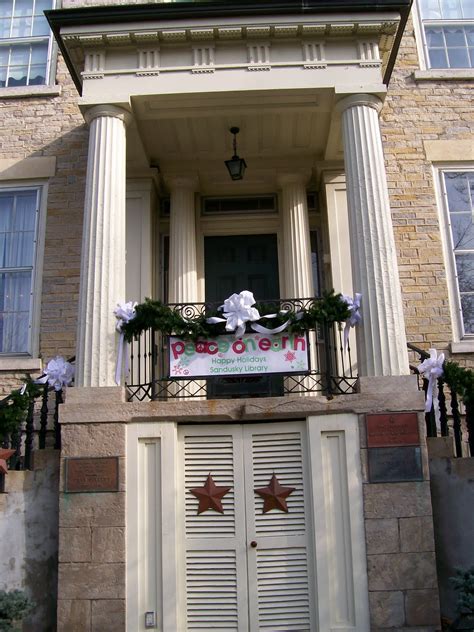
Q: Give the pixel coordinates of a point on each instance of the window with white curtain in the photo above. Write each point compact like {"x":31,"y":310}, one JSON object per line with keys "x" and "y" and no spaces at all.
{"x":25,"y":43}
{"x":458,"y":193}
{"x":19,"y":212}
{"x":448,"y":32}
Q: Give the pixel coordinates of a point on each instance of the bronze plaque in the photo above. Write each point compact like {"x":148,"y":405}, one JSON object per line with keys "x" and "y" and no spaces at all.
{"x":392,"y":429}
{"x":87,"y":474}
{"x":393,"y":465}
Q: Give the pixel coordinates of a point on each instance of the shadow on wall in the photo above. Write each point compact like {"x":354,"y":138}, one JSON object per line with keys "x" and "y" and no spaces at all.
{"x":452,"y":492}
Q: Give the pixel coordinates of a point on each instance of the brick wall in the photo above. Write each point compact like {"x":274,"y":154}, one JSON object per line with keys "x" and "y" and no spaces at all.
{"x":414,"y":112}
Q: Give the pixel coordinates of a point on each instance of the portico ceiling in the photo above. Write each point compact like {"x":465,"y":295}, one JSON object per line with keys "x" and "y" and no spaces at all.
{"x":278,"y":132}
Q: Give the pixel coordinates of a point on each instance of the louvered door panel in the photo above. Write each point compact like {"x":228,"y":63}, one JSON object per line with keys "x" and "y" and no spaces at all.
{"x":279,"y":577}
{"x":215,"y":571}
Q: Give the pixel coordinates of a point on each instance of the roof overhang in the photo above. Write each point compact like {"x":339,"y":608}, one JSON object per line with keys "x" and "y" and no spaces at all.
{"x":118,"y":18}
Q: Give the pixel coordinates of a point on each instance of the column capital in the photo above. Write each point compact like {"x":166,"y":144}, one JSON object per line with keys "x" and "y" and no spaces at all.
{"x":353,"y":100}
{"x":107,"y":110}
{"x":293,"y":177}
{"x":188,"y":181}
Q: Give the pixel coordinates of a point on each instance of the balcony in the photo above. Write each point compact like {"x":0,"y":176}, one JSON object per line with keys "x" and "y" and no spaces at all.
{"x":331,"y":368}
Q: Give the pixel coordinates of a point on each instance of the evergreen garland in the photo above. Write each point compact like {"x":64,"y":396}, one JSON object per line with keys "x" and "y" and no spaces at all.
{"x":460,"y":380}
{"x":13,"y":407}
{"x":328,"y":309}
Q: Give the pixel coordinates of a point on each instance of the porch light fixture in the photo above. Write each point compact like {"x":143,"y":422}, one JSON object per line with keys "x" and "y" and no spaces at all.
{"x":236,"y":166}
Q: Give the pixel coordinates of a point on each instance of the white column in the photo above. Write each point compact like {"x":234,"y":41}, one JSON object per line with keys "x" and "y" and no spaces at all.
{"x":103,"y":247}
{"x":381,"y":340}
{"x":297,"y":270}
{"x":183,"y":286}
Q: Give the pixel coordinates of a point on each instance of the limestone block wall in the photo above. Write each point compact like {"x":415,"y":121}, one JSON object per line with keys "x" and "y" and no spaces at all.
{"x":416,"y":111}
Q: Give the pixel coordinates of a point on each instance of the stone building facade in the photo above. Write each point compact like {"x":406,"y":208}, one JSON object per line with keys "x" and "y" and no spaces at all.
{"x":387,"y":558}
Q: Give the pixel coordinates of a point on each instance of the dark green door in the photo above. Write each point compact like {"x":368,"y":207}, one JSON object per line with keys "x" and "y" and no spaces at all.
{"x":233,"y":264}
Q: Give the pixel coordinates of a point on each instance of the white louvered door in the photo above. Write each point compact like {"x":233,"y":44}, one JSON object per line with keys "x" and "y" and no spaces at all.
{"x":229,"y":584}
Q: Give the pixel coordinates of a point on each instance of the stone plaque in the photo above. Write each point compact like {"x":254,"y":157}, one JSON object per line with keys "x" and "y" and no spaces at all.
{"x":392,"y":429}
{"x":86,"y":474}
{"x":393,"y":465}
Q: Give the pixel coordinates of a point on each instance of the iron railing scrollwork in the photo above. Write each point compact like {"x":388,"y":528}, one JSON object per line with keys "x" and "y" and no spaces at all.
{"x":332,"y":371}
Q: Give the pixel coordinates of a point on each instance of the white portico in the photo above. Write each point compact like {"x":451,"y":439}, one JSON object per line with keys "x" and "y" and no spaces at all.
{"x":160,"y":90}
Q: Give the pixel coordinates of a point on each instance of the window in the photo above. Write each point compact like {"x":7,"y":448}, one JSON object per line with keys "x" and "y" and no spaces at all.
{"x":458,"y":189}
{"x":448,"y":32}
{"x":19,"y":212}
{"x":25,"y":42}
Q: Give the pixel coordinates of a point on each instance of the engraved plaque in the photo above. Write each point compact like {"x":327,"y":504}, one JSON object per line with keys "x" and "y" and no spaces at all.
{"x":86,"y":474}
{"x":392,"y":429}
{"x":393,"y":465}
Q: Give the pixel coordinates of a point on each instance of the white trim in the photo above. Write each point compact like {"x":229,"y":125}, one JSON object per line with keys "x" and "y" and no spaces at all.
{"x":419,"y":36}
{"x":351,"y":537}
{"x":446,"y":240}
{"x":158,"y":551}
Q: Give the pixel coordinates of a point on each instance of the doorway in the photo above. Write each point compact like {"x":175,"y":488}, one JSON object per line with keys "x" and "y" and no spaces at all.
{"x":247,"y":569}
{"x":232,"y":264}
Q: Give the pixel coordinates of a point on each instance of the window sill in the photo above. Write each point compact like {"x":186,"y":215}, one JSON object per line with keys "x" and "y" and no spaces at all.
{"x":21,"y":92}
{"x":463,"y":346}
{"x":19,"y":363}
{"x":448,"y":74}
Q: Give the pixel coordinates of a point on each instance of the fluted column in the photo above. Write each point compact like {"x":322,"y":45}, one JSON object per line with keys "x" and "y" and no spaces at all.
{"x":103,"y":247}
{"x":381,"y":340}
{"x":183,"y":286}
{"x":298,"y":274}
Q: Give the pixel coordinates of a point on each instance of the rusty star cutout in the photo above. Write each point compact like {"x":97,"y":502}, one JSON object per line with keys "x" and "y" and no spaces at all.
{"x":4,"y":456}
{"x":210,"y":496}
{"x":274,"y":495}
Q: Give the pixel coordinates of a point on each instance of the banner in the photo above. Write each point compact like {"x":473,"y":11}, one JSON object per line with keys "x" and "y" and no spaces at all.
{"x":252,"y":354}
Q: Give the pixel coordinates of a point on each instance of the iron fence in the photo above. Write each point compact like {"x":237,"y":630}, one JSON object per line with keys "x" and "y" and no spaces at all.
{"x":333,"y":371}
{"x":448,"y":417}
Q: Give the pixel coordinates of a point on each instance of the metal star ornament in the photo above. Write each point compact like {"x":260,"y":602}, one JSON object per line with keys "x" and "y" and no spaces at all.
{"x":4,"y":456}
{"x":210,"y":496}
{"x":274,"y":495}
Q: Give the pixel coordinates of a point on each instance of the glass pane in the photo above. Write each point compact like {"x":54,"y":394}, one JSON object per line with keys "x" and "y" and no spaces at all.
{"x":467,"y":306}
{"x":465,"y":270}
{"x":20,"y":56}
{"x":37,"y":75}
{"x":454,"y":36}
{"x":3,"y":77}
{"x":39,"y":53}
{"x":469,"y":30}
{"x":40,"y":26}
{"x":14,"y":332}
{"x":451,"y":9}
{"x":6,"y":211}
{"x":458,"y":58}
{"x":462,"y":230}
{"x":471,"y":56}
{"x":42,"y":5}
{"x":6,"y":7}
{"x":457,"y":190}
{"x":438,"y":58}
{"x":468,"y":9}
{"x":18,"y":76}
{"x":5,"y":27}
{"x":4,"y":54}
{"x":434,"y":37}
{"x":25,"y":212}
{"x":21,"y":27}
{"x":23,"y":7}
{"x":430,"y":9}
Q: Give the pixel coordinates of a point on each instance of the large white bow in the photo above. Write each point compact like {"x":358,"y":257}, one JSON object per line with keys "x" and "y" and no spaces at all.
{"x":431,"y":369}
{"x":238,"y":310}
{"x":124,"y":313}
{"x":58,"y":373}
{"x":355,"y":318}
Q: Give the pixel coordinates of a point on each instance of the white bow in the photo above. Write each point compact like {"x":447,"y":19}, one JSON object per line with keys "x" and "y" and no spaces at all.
{"x":431,"y":369}
{"x":355,"y":318}
{"x":58,"y":373}
{"x":238,"y":310}
{"x":124,"y":313}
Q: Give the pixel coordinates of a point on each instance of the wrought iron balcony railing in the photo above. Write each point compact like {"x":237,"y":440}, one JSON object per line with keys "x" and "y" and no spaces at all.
{"x":332,"y":367}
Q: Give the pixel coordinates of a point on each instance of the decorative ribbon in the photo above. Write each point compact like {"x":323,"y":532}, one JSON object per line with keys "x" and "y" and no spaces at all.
{"x":431,"y":369}
{"x":355,"y":317}
{"x":58,"y":373}
{"x":124,"y":313}
{"x":238,"y":310}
